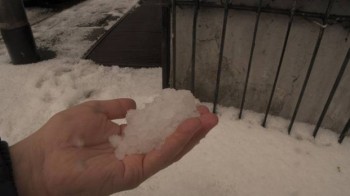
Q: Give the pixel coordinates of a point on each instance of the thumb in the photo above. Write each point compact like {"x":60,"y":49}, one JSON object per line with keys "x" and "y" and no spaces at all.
{"x":160,"y":158}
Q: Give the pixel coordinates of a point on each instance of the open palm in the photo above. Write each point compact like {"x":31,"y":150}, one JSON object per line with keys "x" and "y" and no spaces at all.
{"x":71,"y":155}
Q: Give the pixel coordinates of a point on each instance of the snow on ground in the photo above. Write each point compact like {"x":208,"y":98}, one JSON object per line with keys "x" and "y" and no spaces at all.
{"x":238,"y":157}
{"x":68,"y":32}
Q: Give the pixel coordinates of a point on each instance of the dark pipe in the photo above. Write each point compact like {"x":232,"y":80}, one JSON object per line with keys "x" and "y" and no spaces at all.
{"x":194,"y":41}
{"x":173,"y":38}
{"x":165,"y":53}
{"x":16,"y":32}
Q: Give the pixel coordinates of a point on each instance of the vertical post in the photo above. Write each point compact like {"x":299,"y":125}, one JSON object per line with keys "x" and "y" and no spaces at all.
{"x":250,"y":58}
{"x":194,"y":39}
{"x":16,"y":32}
{"x":280,"y":63}
{"x":165,"y":53}
{"x":173,"y":38}
{"x":313,"y":58}
{"x":331,"y":94}
{"x":221,"y":53}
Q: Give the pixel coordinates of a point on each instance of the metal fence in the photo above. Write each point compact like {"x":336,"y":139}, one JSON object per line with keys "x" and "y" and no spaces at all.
{"x":226,"y":5}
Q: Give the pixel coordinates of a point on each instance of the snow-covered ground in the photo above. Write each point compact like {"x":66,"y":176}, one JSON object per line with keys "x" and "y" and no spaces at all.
{"x":238,"y":157}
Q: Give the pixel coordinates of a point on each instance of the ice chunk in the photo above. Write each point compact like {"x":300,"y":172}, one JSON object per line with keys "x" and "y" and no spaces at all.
{"x":148,"y":128}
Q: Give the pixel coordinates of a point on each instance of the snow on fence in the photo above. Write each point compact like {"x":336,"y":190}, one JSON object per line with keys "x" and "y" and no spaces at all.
{"x":192,"y":25}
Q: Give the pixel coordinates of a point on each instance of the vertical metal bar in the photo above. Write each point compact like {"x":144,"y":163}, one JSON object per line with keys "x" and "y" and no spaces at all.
{"x":165,"y":53}
{"x":221,"y":53}
{"x":194,"y":39}
{"x":314,"y":55}
{"x":173,"y":38}
{"x":344,"y":132}
{"x":280,"y":63}
{"x":250,"y":58}
{"x":331,"y":95}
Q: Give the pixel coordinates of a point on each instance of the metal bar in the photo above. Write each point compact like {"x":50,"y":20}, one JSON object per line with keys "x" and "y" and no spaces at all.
{"x":194,"y":39}
{"x":280,"y":63}
{"x":221,"y":53}
{"x":340,"y":18}
{"x":344,"y":132}
{"x":331,"y":95}
{"x":250,"y":58}
{"x":308,"y":73}
{"x":165,"y":56}
{"x":173,"y":38}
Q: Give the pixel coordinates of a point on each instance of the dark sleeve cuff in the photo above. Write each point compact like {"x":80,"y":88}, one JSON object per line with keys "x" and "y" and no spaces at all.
{"x":7,"y":183}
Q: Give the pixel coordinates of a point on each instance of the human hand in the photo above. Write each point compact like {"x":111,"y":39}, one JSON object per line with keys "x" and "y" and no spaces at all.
{"x":71,"y":154}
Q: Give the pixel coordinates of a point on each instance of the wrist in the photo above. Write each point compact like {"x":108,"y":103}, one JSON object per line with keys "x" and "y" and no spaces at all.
{"x":26,"y":173}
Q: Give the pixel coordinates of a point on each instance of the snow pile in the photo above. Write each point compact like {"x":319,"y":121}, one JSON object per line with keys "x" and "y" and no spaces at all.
{"x":147,"y":128}
{"x":48,"y":87}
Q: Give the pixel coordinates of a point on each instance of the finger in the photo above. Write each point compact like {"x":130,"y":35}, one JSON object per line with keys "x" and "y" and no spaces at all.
{"x":174,"y":144}
{"x":202,"y":109}
{"x":109,"y":129}
{"x":114,"y":109}
{"x":209,"y":121}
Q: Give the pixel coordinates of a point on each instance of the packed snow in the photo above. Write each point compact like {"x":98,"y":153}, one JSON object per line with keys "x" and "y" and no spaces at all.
{"x":238,"y":157}
{"x":149,"y":127}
